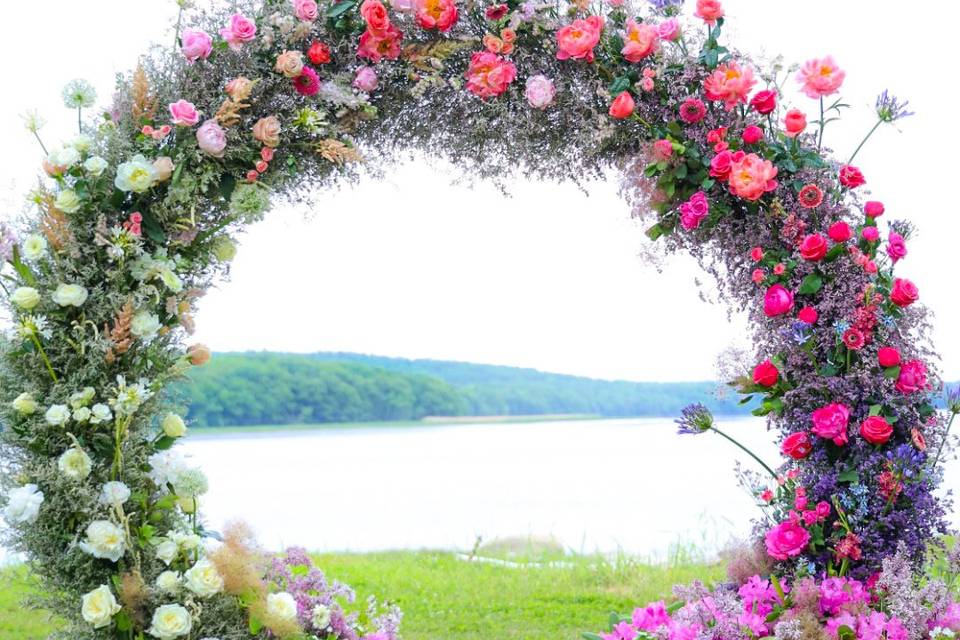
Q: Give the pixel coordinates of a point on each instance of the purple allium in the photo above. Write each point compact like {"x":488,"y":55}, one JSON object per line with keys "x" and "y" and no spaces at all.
{"x":694,"y":419}
{"x":890,"y":109}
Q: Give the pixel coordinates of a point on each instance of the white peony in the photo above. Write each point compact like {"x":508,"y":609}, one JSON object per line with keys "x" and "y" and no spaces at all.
{"x":100,"y":413}
{"x":95,"y":166}
{"x":70,"y":295}
{"x":99,"y":606}
{"x":75,"y":464}
{"x":104,"y":540}
{"x":281,"y":606}
{"x":320,"y":617}
{"x":136,"y":175}
{"x":173,"y":425}
{"x":57,"y":415}
{"x":25,"y":297}
{"x":167,"y":551}
{"x":114,"y":493}
{"x":145,"y":325}
{"x":203,"y":579}
{"x":24,"y":404}
{"x":170,"y":621}
{"x":23,"y":504}
{"x":34,"y":247}
{"x":68,"y":201}
{"x":168,"y":582}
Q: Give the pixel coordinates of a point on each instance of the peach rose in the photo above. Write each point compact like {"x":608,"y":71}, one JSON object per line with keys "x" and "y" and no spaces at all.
{"x":751,"y":176}
{"x":577,"y":40}
{"x":794,"y":123}
{"x":239,"y":88}
{"x":709,"y":11}
{"x":164,"y":168}
{"x":290,"y":64}
{"x":198,"y":354}
{"x":267,"y":131}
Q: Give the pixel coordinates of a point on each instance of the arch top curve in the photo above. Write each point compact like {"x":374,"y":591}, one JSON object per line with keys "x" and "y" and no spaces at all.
{"x":136,"y":217}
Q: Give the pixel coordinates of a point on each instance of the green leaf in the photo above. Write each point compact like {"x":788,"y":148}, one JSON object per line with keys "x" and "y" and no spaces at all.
{"x":746,"y":399}
{"x":153,"y":229}
{"x":875,"y":409}
{"x":846,"y":633}
{"x":850,"y":476}
{"x":835,"y":252}
{"x":829,"y":370}
{"x":122,"y":620}
{"x":810,"y":285}
{"x":22,"y":270}
{"x":619,"y":85}
{"x":655,"y":231}
{"x":681,"y":172}
{"x":340,"y":8}
{"x":164,"y":443}
{"x":227,"y":184}
{"x":891,"y":373}
{"x":591,"y":636}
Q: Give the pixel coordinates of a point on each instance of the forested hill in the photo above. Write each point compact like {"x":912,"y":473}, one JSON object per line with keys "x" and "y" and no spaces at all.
{"x":279,"y":388}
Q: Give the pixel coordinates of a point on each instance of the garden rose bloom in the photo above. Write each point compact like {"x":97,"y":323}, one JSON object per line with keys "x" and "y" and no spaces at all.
{"x":377,"y":47}
{"x":888,"y":357}
{"x":813,"y":247}
{"x":540,"y":91}
{"x":912,"y":378}
{"x":721,"y":163}
{"x":577,"y":40}
{"x":752,"y":134}
{"x":870,"y":234}
{"x":794,"y":123}
{"x":318,"y":53}
{"x":622,"y":106}
{"x":764,"y":102}
{"x":195,"y":45}
{"x":840,"y":232}
{"x":876,"y":430}
{"x":308,"y":82}
{"x":305,"y":10}
{"x":896,"y":246}
{"x":436,"y":14}
{"x":756,"y":254}
{"x":692,"y":111}
{"x":758,"y":276}
{"x":662,"y":149}
{"x":640,"y":41}
{"x":904,"y":292}
{"x":810,"y":196}
{"x":873,"y":209}
{"x":752,"y":176}
{"x":212,"y":139}
{"x":730,"y":83}
{"x":766,"y":374}
{"x":376,"y":17}
{"x":198,"y":354}
{"x":797,"y":445}
{"x":819,"y":78}
{"x":851,"y":177}
{"x":289,"y":63}
{"x":238,"y":88}
{"x":808,"y":315}
{"x":777,"y":301}
{"x":164,"y":168}
{"x":830,"y":422}
{"x":786,"y":540}
{"x":170,"y":621}
{"x":240,"y":30}
{"x":694,"y":210}
{"x":709,"y":11}
{"x":669,"y":29}
{"x":489,"y":75}
{"x":99,"y":606}
{"x":184,"y":114}
{"x":366,"y":79}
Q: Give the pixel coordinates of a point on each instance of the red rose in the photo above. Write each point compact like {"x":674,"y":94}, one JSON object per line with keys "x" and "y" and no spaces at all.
{"x":765,"y":374}
{"x":851,"y":177}
{"x":876,"y":430}
{"x":813,"y":247}
{"x":721,"y":163}
{"x":808,"y":315}
{"x":840,"y":232}
{"x":756,"y":254}
{"x":752,"y":134}
{"x":888,"y":357}
{"x":497,"y":11}
{"x":797,"y":445}
{"x":764,"y":102}
{"x":873,"y":209}
{"x":904,"y":292}
{"x":319,"y":53}
{"x":622,"y":106}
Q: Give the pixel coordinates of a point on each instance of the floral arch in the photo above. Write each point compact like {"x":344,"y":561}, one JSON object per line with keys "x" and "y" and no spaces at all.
{"x":271,"y":98}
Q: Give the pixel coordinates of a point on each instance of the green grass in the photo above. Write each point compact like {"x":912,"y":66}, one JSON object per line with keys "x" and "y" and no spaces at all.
{"x":445,"y":598}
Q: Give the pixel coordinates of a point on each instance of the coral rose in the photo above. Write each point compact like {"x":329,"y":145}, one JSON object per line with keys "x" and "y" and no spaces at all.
{"x":904,"y":293}
{"x":622,"y":106}
{"x":730,"y":83}
{"x":786,"y":540}
{"x":577,"y":40}
{"x":267,"y":131}
{"x":777,"y":301}
{"x":709,"y":11}
{"x":640,"y":41}
{"x":794,"y":123}
{"x":319,"y":53}
{"x":375,"y":16}
{"x":831,"y":421}
{"x":751,"y":176}
{"x":876,"y":430}
{"x":489,"y":75}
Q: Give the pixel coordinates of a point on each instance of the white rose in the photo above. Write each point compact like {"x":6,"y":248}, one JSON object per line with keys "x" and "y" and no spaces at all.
{"x":173,"y":426}
{"x":114,"y":493}
{"x":168,"y":582}
{"x":99,"y":606}
{"x":170,"y":621}
{"x":104,"y":540}
{"x":171,"y":280}
{"x":167,"y":551}
{"x":57,"y":415}
{"x":64,"y":157}
{"x":281,"y":606}
{"x":203,"y":579}
{"x":100,"y":413}
{"x":320,"y":617}
{"x":25,"y":297}
{"x":144,"y":324}
{"x":95,"y":166}
{"x":75,"y":464}
{"x":81,"y":415}
{"x":82,"y":398}
{"x":34,"y":247}
{"x":25,"y":404}
{"x":70,"y":295}
{"x":68,"y":201}
{"x":82,"y":143}
{"x":23,"y":505}
{"x":186,"y":541}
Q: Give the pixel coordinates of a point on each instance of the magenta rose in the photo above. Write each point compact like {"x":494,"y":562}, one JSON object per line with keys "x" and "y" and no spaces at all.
{"x":195,"y":45}
{"x":913,"y":377}
{"x":830,"y":422}
{"x":787,"y":540}
{"x":212,"y":139}
{"x":896,"y":246}
{"x":904,"y":293}
{"x":777,"y":301}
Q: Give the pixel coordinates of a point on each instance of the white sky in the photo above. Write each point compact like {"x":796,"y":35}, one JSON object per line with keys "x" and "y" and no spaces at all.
{"x":550,"y":278}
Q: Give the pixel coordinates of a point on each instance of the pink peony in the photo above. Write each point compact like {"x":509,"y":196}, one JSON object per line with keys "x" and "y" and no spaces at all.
{"x":751,"y":176}
{"x":184,"y":114}
{"x":912,"y":378}
{"x":577,"y":40}
{"x":240,"y":30}
{"x":777,"y":301}
{"x":195,"y":45}
{"x":819,"y":78}
{"x":730,"y":83}
{"x":709,"y":11}
{"x":831,"y":421}
{"x":307,"y":83}
{"x":376,"y":47}
{"x":489,"y":75}
{"x":305,"y":10}
{"x":640,"y":41}
{"x":212,"y":139}
{"x":786,"y":540}
{"x":669,"y":29}
{"x":694,"y":210}
{"x":540,"y":91}
{"x":366,"y":79}
{"x":896,"y":246}
{"x":436,"y":14}
{"x":692,"y":111}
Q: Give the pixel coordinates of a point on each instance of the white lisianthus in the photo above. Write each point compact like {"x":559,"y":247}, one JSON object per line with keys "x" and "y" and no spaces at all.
{"x":203,"y":579}
{"x":64,"y":157}
{"x":104,"y":540}
{"x":24,"y":404}
{"x":145,"y":325}
{"x":82,"y":143}
{"x":75,"y":464}
{"x":95,"y":166}
{"x":186,"y":541}
{"x":173,"y":426}
{"x":137,"y":175}
{"x":100,"y":413}
{"x":320,"y":617}
{"x":57,"y":415}
{"x":82,"y":398}
{"x":99,"y":606}
{"x":23,"y":504}
{"x":82,"y":414}
{"x":34,"y":247}
{"x":168,"y":582}
{"x":281,"y":606}
{"x":170,"y":621}
{"x":167,"y":551}
{"x":25,"y":297}
{"x":114,"y":493}
{"x":70,"y":295}
{"x":68,"y":201}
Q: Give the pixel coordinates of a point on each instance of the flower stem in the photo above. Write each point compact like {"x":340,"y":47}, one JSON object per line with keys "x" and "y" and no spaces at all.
{"x":745,"y":450}
{"x":176,"y":32}
{"x":80,"y":120}
{"x":822,"y":125}
{"x":946,"y":433}
{"x":864,"y":141}
{"x":42,"y":146}
{"x":43,"y":355}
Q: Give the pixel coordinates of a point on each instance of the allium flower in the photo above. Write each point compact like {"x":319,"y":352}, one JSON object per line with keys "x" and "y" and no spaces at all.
{"x":79,"y":94}
{"x":32,"y":121}
{"x":890,"y":109}
{"x":694,"y":419}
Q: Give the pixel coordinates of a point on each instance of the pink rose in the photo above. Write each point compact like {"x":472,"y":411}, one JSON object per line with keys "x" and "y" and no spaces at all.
{"x":794,"y":123}
{"x":662,"y":149}
{"x":669,"y":29}
{"x":721,"y":163}
{"x":765,"y":101}
{"x":240,"y":30}
{"x":870,"y":234}
{"x":797,"y":445}
{"x":808,"y":315}
{"x":777,"y":301}
{"x":622,"y":106}
{"x":305,"y":10}
{"x":820,"y":77}
{"x":888,"y":357}
{"x":896,"y":246}
{"x":366,"y":79}
{"x":831,"y":421}
{"x":577,"y":39}
{"x":184,"y":114}
{"x":212,"y":139}
{"x":694,"y":210}
{"x":840,"y":232}
{"x":876,"y":430}
{"x":904,"y":293}
{"x":709,"y":11}
{"x":640,"y":41}
{"x":851,"y":177}
{"x":873,"y":209}
{"x":540,"y":91}
{"x":912,"y":378}
{"x":752,"y":134}
{"x":195,"y":45}
{"x":786,"y":540}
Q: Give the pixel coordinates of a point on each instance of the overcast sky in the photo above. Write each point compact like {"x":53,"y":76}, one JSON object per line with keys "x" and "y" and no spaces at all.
{"x":550,"y":278}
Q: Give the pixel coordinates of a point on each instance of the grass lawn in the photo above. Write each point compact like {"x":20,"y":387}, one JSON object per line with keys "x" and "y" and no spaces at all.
{"x":444,"y":598}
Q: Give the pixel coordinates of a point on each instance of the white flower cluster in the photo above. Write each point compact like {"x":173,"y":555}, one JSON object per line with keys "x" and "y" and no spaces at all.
{"x":79,"y":410}
{"x":159,"y":267}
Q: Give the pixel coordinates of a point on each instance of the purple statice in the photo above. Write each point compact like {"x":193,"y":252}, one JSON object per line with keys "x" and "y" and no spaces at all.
{"x":694,"y":419}
{"x":8,"y":240}
{"x":890,"y":109}
{"x":660,"y":5}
